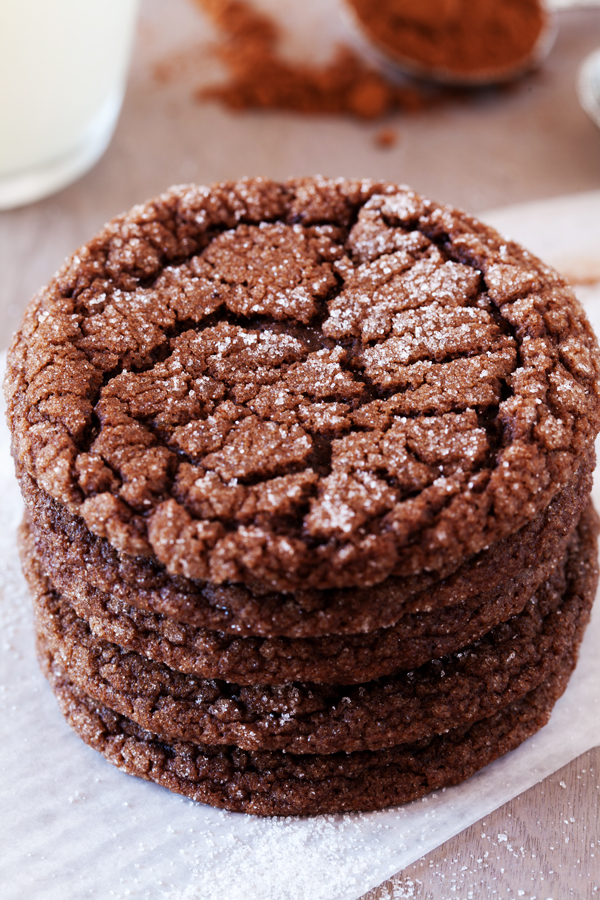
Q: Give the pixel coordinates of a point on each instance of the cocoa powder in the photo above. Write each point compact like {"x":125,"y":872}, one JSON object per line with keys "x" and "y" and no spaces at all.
{"x":462,"y":37}
{"x":260,"y":77}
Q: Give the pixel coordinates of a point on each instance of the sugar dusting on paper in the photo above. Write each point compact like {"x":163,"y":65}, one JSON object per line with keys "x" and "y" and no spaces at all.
{"x":276,"y":860}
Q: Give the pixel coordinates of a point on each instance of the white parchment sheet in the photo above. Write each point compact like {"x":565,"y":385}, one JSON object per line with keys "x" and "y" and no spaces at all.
{"x":73,"y":827}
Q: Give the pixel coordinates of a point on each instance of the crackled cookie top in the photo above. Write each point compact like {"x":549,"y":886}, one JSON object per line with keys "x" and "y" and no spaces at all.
{"x":316,"y":383}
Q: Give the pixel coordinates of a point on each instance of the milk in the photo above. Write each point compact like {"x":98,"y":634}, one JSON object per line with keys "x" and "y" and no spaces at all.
{"x":63,"y":65}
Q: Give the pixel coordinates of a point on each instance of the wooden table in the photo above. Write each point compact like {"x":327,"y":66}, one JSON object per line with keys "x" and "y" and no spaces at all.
{"x":494,"y":149}
{"x":543,"y":845}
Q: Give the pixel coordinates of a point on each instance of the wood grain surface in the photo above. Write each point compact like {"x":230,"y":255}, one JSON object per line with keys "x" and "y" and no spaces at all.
{"x":543,"y":845}
{"x":498,"y":147}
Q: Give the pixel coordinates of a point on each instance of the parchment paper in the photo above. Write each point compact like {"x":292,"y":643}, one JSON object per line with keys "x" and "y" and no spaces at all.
{"x":72,"y":827}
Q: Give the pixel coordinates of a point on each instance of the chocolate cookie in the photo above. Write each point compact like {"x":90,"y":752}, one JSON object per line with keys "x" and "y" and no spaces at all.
{"x":350,"y":659}
{"x":273,"y":661}
{"x":281,"y":784}
{"x":434,"y":615}
{"x":512,"y":660}
{"x":309,"y":384}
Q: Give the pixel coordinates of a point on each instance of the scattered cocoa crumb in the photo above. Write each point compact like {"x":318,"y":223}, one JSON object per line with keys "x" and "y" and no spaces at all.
{"x":260,"y":78}
{"x":179,"y":64}
{"x":386,"y":138}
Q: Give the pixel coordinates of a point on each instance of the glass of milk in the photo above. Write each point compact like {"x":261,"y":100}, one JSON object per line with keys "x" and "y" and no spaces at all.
{"x":63,"y":65}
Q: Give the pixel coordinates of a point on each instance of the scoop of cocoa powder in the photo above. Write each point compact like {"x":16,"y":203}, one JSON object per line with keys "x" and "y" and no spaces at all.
{"x":482,"y":39}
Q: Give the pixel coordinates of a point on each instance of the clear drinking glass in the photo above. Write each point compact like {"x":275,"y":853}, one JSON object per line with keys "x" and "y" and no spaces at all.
{"x":63,"y":66}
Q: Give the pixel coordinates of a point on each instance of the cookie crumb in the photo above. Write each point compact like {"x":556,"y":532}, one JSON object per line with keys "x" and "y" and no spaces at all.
{"x":386,"y":138}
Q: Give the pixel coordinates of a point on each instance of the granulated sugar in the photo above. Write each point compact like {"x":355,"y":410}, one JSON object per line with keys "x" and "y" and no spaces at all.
{"x":276,"y":861}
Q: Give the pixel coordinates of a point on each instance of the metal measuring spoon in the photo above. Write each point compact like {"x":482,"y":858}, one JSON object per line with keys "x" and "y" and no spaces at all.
{"x":396,"y":66}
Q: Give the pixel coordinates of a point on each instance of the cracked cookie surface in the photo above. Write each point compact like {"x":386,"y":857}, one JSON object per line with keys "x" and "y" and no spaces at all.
{"x":309,"y":384}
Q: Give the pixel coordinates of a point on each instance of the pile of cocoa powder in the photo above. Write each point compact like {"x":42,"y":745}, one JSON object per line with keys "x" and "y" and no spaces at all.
{"x":462,"y":37}
{"x":260,"y":77}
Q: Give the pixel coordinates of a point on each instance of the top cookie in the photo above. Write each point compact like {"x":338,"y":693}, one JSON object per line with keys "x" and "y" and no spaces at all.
{"x":316,"y":383}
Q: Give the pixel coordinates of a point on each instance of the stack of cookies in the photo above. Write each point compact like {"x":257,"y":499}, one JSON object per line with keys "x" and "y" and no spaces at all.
{"x":307,"y":471}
